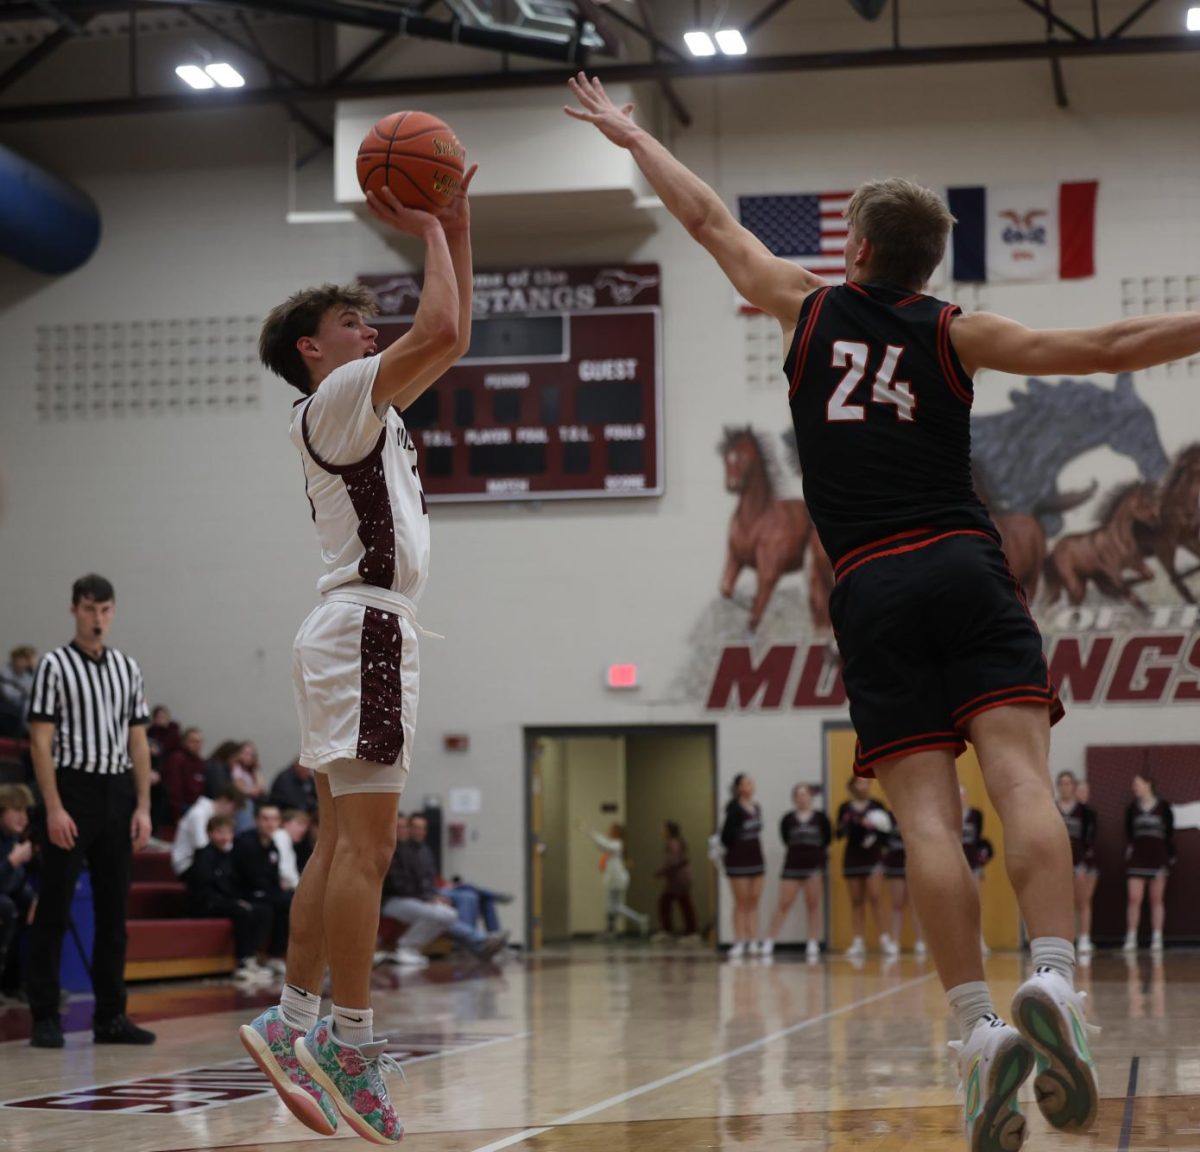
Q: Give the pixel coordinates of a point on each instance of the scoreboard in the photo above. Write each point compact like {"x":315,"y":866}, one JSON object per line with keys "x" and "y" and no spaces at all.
{"x":559,"y":395}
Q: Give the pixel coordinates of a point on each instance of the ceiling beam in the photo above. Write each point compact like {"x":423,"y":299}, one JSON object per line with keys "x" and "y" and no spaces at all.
{"x":47,"y":46}
{"x":674,"y":102}
{"x":1053,"y":19}
{"x":620,"y":73}
{"x":1132,"y":19}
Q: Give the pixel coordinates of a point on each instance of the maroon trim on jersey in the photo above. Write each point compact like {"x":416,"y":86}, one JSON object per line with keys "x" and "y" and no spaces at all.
{"x":841,"y":570}
{"x":367,"y":488}
{"x":865,"y":761}
{"x":960,"y":384}
{"x":805,"y":338}
{"x":340,"y":469}
{"x":910,"y":300}
{"x":380,"y":723}
{"x":877,"y":543}
{"x":859,"y":289}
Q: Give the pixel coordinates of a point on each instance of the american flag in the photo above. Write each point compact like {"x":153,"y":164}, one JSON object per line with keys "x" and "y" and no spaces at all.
{"x":808,"y":228}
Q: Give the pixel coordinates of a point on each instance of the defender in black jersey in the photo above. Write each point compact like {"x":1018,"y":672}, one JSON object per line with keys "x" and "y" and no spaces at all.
{"x":1080,"y":821}
{"x":938,"y":648}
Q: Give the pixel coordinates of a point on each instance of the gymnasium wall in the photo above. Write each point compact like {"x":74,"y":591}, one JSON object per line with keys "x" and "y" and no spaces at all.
{"x":200,"y":520}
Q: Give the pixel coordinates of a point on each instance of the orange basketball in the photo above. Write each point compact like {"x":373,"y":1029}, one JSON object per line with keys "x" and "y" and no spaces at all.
{"x":414,"y":154}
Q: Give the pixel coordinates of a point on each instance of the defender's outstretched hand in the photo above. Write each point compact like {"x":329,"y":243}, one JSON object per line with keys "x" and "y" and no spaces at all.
{"x":410,"y":221}
{"x":596,"y":108}
{"x":456,"y":216}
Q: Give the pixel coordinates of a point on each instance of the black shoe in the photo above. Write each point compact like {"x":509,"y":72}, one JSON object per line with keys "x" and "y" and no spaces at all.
{"x":121,"y":1030}
{"x":47,"y":1033}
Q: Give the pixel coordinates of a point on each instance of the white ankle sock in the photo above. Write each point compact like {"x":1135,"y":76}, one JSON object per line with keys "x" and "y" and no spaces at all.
{"x":970,"y":1003}
{"x":1056,"y":953}
{"x":299,"y":1008}
{"x":354,"y":1025}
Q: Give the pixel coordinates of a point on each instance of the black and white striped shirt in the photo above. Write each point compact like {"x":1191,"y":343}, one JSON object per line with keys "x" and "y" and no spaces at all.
{"x":91,"y":701}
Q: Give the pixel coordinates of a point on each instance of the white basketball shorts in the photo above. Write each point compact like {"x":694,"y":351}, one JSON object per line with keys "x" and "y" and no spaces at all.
{"x":354,"y":669}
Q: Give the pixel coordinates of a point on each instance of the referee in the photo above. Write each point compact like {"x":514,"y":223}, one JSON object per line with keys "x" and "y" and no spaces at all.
{"x":87,"y":727}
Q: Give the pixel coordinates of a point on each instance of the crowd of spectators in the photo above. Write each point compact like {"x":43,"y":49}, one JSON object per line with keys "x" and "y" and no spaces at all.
{"x":238,"y":844}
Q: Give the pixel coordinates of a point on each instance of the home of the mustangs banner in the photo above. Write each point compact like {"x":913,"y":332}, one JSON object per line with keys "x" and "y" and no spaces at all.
{"x":1024,"y":232}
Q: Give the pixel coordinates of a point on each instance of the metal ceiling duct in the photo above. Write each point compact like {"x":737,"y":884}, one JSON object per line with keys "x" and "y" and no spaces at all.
{"x":45,"y":223}
{"x":555,"y":20}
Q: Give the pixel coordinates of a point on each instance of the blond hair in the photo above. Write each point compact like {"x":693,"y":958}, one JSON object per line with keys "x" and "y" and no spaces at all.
{"x":300,"y":315}
{"x":907,"y":225}
{"x":15,"y":796}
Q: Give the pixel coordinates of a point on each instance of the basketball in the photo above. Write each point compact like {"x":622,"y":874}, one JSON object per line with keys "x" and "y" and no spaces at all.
{"x":414,"y":154}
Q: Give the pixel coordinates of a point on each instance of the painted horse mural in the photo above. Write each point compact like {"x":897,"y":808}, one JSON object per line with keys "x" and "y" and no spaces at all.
{"x":1178,"y":524}
{"x":765,"y":533}
{"x":1107,"y":552}
{"x":1018,"y":454}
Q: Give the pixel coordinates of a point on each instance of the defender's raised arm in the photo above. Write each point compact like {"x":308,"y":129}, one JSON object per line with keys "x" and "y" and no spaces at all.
{"x":775,"y":285}
{"x":984,"y":340}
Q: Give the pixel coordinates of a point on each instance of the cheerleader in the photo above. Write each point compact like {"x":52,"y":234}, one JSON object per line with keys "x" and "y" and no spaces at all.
{"x":1150,"y":835}
{"x":1081,"y":830}
{"x":806,"y":835}
{"x":743,"y":863}
{"x":863,"y":823}
{"x":972,"y":842}
{"x":895,"y":872}
{"x":1091,"y":872}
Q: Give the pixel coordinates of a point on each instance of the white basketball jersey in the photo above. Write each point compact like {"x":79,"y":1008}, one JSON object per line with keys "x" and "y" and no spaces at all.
{"x":360,"y":473}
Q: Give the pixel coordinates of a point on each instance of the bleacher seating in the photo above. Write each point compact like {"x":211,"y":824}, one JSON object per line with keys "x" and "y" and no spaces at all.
{"x":164,"y":941}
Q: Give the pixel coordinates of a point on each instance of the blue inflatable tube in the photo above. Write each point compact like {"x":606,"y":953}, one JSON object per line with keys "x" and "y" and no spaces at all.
{"x":45,"y":223}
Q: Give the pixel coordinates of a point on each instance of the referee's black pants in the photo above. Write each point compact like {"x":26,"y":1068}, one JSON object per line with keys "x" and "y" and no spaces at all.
{"x":102,"y":808}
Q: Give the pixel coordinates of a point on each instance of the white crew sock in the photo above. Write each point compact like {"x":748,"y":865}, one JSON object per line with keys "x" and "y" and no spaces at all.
{"x":299,"y":1008}
{"x":970,"y":1003}
{"x":1056,"y":953}
{"x":354,"y":1026}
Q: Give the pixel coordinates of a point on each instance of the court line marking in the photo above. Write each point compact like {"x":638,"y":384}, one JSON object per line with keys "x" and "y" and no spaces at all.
{"x":1127,"y":1119}
{"x":694,"y":1069}
{"x":234,"y":1068}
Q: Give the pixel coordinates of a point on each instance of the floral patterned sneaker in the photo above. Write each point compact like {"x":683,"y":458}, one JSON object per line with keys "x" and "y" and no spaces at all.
{"x":270,"y":1040}
{"x":354,"y":1078}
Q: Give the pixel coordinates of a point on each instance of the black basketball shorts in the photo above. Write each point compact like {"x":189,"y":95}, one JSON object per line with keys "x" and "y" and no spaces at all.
{"x":933,"y":629}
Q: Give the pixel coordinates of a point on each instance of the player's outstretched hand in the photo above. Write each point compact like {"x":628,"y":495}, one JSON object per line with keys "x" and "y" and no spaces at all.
{"x":596,"y":108}
{"x":411,"y":221}
{"x":456,"y":216}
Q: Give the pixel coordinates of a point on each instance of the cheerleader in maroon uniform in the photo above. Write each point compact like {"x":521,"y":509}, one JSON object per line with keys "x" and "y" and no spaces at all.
{"x":743,"y":863}
{"x":1091,"y":872}
{"x":806,"y":834}
{"x":1081,"y":830}
{"x":972,"y":842}
{"x":864,"y":823}
{"x":1150,"y":832}
{"x":895,"y":872}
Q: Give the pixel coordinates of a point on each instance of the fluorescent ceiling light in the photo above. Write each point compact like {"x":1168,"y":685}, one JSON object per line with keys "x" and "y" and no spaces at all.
{"x":730,"y":41}
{"x":195,"y":76}
{"x":1193,"y":20}
{"x":225,"y":74}
{"x":699,"y":43}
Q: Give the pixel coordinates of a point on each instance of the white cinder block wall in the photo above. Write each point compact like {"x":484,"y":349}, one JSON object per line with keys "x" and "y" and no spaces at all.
{"x":202,"y":523}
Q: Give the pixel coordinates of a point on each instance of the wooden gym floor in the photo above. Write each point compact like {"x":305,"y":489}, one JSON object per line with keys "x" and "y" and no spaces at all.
{"x":622,"y":1049}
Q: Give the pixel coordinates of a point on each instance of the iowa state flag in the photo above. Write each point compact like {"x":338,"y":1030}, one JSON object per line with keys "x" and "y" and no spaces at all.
{"x":1024,"y":232}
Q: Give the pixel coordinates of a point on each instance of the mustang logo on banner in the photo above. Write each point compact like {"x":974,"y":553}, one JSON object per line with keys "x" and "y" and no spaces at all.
{"x":1023,"y":233}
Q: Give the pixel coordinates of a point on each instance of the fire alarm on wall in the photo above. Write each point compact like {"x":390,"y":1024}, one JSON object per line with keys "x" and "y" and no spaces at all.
{"x":622,"y":676}
{"x":456,"y":742}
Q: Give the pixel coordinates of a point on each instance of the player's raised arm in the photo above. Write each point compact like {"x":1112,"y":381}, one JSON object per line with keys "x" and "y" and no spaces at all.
{"x":434,"y":335}
{"x":456,"y":223}
{"x":776,"y":286}
{"x":984,"y":340}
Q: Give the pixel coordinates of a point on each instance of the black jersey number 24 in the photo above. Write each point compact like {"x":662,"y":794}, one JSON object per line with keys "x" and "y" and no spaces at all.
{"x":855,"y":357}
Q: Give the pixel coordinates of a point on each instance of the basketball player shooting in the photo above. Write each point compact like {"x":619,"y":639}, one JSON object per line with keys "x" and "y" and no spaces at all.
{"x":355,"y":657}
{"x":937,"y":644}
